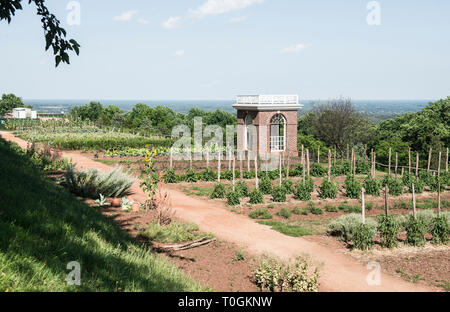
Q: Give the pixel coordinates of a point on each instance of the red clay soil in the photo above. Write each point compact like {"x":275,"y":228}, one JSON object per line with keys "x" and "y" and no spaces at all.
{"x":338,"y":271}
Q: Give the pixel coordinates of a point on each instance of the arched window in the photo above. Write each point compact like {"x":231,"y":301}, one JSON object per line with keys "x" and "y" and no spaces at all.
{"x":277,"y":133}
{"x":248,"y":132}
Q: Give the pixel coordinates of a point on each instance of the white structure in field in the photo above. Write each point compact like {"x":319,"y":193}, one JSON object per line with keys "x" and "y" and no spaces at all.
{"x":23,"y":113}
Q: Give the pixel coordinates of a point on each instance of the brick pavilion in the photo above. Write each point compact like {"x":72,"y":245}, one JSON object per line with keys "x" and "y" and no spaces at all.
{"x":267,"y":123}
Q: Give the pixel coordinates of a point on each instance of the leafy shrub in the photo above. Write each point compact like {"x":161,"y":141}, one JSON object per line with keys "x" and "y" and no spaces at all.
{"x":433,"y":183}
{"x":362,"y":167}
{"x":415,"y":232}
{"x":407,"y":178}
{"x":418,"y":186}
{"x":344,"y":226}
{"x":372,"y":186}
{"x":297,"y":171}
{"x":274,"y":174}
{"x":369,"y":205}
{"x":317,"y":170}
{"x":261,"y":213}
{"x":302,"y":191}
{"x":352,"y":187}
{"x":395,"y":186}
{"x":219,"y":191}
{"x":363,"y":237}
{"x":272,"y":275}
{"x":241,"y":188}
{"x":330,"y":208}
{"x":233,"y":198}
{"x":175,"y":232}
{"x":287,"y":186}
{"x":328,"y":189}
{"x":388,"y":227}
{"x":191,"y":176}
{"x":426,"y":177}
{"x":279,"y":194}
{"x":208,"y":175}
{"x":170,"y":176}
{"x":249,"y":174}
{"x":341,"y":169}
{"x":350,"y":208}
{"x":314,"y":209}
{"x":297,"y":210}
{"x":265,"y":185}
{"x":92,"y":183}
{"x":256,"y":197}
{"x":285,"y":213}
{"x":440,"y":230}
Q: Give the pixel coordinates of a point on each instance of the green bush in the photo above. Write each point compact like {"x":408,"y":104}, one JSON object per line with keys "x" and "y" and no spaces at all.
{"x":426,"y":177}
{"x":285,"y":213}
{"x":261,"y":213}
{"x":352,"y":187}
{"x":363,"y":237}
{"x":170,"y":176}
{"x":314,"y":209}
{"x":407,"y":178}
{"x":265,"y":185}
{"x":274,"y":276}
{"x":350,"y":208}
{"x":219,"y":191}
{"x":241,"y":188}
{"x":395,"y":186}
{"x":440,"y":230}
{"x":317,"y":170}
{"x":287,"y":185}
{"x":418,"y":186}
{"x":191,"y":176}
{"x":175,"y":232}
{"x":92,"y":183}
{"x":388,"y":227}
{"x":279,"y":194}
{"x":344,"y":226}
{"x":302,"y":191}
{"x":328,"y":189}
{"x":341,"y":169}
{"x":415,"y":232}
{"x":208,"y":175}
{"x":330,"y":208}
{"x":249,"y":174}
{"x":362,"y":167}
{"x":256,"y":197}
{"x":372,"y":186}
{"x":233,"y":198}
{"x":433,"y":184}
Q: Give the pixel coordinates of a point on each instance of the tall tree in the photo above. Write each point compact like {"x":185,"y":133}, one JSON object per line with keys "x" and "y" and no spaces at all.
{"x":55,"y":35}
{"x":8,"y":102}
{"x":338,"y":123}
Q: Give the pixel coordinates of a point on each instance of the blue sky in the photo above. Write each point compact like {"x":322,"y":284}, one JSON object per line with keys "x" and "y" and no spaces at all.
{"x":216,"y":49}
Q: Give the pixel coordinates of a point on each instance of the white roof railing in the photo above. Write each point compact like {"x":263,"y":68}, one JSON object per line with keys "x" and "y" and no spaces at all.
{"x":267,"y":100}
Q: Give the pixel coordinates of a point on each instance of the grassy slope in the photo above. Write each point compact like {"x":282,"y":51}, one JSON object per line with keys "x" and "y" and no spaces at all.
{"x":43,"y":227}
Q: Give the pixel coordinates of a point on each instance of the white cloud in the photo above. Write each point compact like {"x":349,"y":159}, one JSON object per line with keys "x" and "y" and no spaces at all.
{"x":172,"y":22}
{"x":179,"y":53}
{"x":237,"y":19}
{"x":126,"y":16}
{"x":143,"y":21}
{"x":213,"y":7}
{"x":295,"y":48}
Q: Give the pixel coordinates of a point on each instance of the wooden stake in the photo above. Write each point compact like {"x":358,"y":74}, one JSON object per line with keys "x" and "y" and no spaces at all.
{"x":334,"y":156}
{"x":171,"y":158}
{"x":417,"y":165}
{"x":307,"y":162}
{"x":229,"y":160}
{"x":429,"y":159}
{"x":396,"y":164}
{"x":365,"y":151}
{"x":446,"y":162}
{"x":363,"y":206}
{"x":280,"y":169}
{"x":354,"y":165}
{"x":329,"y":165}
{"x":234,"y":165}
{"x":374,"y":164}
{"x":303,"y":169}
{"x":386,"y":204}
{"x":288,"y":165}
{"x":248,"y":161}
{"x":318,"y":154}
{"x":389,"y":171}
{"x":241,"y":174}
{"x":409,"y":160}
{"x":218,"y":166}
{"x":351,"y":164}
{"x":256,"y":171}
{"x":207,"y":157}
{"x":439,"y":198}
{"x":439,"y":165}
{"x":348,"y":151}
{"x":414,"y":202}
{"x":267,"y":164}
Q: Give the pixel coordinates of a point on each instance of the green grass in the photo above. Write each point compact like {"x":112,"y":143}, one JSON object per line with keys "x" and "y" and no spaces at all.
{"x":290,"y":230}
{"x":43,"y":227}
{"x":314,"y":226}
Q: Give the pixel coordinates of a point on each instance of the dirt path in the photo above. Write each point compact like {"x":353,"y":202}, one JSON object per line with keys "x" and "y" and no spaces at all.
{"x":338,"y":272}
